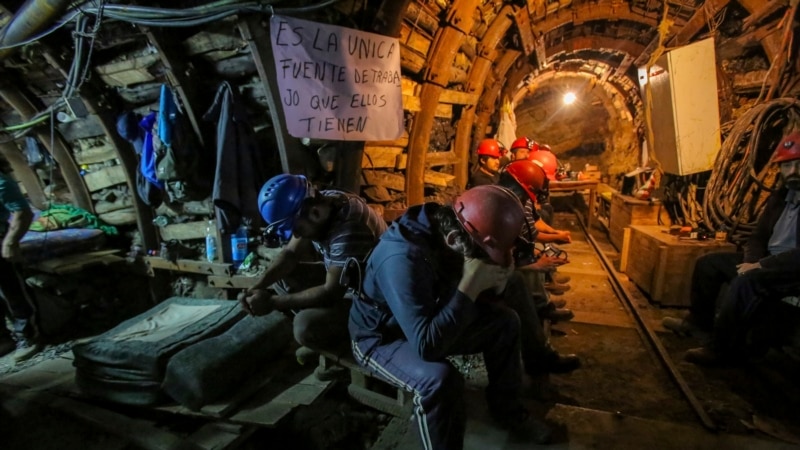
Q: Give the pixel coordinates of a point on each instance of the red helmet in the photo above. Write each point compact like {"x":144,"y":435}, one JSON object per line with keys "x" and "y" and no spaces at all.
{"x":545,"y":147}
{"x":529,"y":175}
{"x":788,"y":149}
{"x":493,"y":216}
{"x":548,"y":162}
{"x":524,"y":142}
{"x":489,"y":147}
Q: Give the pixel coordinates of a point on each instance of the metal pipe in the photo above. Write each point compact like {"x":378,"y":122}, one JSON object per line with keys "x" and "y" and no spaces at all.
{"x":31,"y":18}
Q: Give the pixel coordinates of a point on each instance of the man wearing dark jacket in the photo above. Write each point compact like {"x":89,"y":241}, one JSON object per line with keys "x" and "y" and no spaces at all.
{"x":13,"y":205}
{"x":764,"y":280}
{"x":419,"y":306}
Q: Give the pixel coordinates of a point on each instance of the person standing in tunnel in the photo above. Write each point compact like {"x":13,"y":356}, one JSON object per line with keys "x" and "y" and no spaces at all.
{"x":342,"y":228}
{"x":488,"y":164}
{"x":439,"y":283}
{"x":14,"y":206}
{"x":764,"y":279}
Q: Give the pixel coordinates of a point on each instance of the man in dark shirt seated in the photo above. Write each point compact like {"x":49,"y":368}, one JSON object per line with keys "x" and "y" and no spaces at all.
{"x":764,"y":280}
{"x":341,"y":227}
{"x":488,"y":164}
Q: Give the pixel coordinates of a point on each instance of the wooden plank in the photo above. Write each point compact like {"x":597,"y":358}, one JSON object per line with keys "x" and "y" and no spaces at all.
{"x":750,"y":82}
{"x":219,"y":436}
{"x":129,"y":71}
{"x":388,"y":180}
{"x":189,"y":265}
{"x":414,"y":104}
{"x":438,"y":178}
{"x":125,"y":216}
{"x":271,"y":412}
{"x":73,"y":263}
{"x":376,"y":157}
{"x":96,"y":154}
{"x":402,"y":141}
{"x":188,"y":230}
{"x":458,"y":97}
{"x":105,"y":177}
{"x":414,"y":39}
{"x":234,"y":282}
{"x":626,"y":247}
{"x":410,"y":60}
{"x":409,"y":86}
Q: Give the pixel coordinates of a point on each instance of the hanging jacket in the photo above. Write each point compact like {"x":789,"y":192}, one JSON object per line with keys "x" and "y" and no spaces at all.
{"x":241,"y":169}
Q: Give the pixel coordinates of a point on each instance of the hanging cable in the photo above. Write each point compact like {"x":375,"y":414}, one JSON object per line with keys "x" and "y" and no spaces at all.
{"x":742,"y":176}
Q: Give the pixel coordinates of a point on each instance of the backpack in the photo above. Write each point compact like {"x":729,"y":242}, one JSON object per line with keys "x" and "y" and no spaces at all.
{"x":181,"y":163}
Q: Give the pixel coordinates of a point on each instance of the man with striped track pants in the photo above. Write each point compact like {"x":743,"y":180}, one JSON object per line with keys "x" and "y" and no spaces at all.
{"x":418,"y":306}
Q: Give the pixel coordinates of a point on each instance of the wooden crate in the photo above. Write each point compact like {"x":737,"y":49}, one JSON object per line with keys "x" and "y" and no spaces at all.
{"x":626,"y":211}
{"x":661,"y":264}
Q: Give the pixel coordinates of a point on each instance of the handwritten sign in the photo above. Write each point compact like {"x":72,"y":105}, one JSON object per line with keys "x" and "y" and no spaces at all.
{"x":337,"y":83}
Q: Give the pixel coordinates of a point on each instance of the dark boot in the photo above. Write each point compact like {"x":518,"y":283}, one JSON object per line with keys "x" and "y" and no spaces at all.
{"x":7,"y":345}
{"x":522,"y":427}
{"x":554,"y":362}
{"x":26,"y":348}
{"x":554,"y":314}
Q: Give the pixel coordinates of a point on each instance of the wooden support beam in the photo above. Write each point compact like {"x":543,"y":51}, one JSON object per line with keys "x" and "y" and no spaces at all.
{"x":772,"y":42}
{"x":180,"y":76}
{"x":433,"y":159}
{"x":447,"y":42}
{"x":124,"y":151}
{"x":258,"y":40}
{"x":732,"y":48}
{"x":105,"y":177}
{"x":181,"y":231}
{"x":462,"y":146}
{"x":523,"y":21}
{"x":697,"y":22}
{"x":59,"y":149}
{"x":603,"y":10}
{"x":25,"y":174}
{"x":756,"y":16}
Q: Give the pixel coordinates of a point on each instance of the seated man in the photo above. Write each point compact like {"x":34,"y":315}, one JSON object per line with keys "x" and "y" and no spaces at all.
{"x":488,"y":164}
{"x":341,"y":227}
{"x":418,"y":306}
{"x":526,"y":180}
{"x":767,"y":272}
{"x":521,"y":148}
{"x":16,"y":306}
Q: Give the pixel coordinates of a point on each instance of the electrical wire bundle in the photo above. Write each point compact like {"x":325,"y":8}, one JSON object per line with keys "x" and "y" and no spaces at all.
{"x":139,"y":15}
{"x":743,"y":177}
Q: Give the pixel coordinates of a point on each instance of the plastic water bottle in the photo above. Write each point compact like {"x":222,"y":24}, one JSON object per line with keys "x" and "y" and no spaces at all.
{"x":211,"y":241}
{"x":239,"y":245}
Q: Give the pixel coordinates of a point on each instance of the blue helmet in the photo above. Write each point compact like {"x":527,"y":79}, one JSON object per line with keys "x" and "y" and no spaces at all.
{"x":280,"y":200}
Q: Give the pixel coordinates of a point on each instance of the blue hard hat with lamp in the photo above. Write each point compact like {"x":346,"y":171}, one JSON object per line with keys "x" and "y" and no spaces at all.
{"x":279,"y":201}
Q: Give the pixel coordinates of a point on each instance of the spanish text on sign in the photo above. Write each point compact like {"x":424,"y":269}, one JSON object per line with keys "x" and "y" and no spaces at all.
{"x":337,"y":83}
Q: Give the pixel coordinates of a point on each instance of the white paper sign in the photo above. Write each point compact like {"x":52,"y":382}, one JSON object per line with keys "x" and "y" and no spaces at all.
{"x":337,"y":83}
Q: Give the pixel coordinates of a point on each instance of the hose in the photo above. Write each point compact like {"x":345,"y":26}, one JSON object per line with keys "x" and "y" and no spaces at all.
{"x":743,"y":176}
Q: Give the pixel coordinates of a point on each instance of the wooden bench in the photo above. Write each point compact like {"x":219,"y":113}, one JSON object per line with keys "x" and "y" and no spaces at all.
{"x":368,"y":389}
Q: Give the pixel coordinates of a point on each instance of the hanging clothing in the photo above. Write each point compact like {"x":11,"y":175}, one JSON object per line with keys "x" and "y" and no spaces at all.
{"x":241,"y":165}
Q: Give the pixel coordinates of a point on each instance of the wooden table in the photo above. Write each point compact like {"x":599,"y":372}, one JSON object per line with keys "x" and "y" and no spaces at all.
{"x":577,"y":186}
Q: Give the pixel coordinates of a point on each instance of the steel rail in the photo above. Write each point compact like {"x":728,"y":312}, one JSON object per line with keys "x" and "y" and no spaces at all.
{"x":648,"y":335}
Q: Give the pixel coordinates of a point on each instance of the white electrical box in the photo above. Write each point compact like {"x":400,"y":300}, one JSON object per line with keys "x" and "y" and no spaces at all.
{"x":685,"y":108}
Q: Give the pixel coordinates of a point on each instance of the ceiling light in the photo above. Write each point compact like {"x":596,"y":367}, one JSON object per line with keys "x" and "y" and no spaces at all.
{"x":569,"y":98}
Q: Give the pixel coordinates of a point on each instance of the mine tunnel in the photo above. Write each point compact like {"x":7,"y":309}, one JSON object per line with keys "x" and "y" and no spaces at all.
{"x":374,"y":224}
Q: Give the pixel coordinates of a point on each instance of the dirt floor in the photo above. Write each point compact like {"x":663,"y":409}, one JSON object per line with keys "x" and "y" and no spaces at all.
{"x":622,"y":378}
